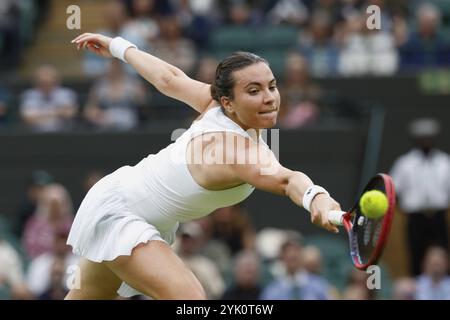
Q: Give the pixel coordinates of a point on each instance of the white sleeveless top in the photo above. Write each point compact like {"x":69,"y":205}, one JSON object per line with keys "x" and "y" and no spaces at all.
{"x":161,"y":189}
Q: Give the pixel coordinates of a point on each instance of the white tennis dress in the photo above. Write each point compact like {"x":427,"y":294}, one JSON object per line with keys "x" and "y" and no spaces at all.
{"x":136,"y":204}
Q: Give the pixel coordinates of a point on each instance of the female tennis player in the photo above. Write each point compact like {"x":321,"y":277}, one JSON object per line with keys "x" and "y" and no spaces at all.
{"x":127,"y":221}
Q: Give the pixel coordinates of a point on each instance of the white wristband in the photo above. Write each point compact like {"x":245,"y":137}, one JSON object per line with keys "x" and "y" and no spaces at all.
{"x":118,"y":46}
{"x":309,"y":195}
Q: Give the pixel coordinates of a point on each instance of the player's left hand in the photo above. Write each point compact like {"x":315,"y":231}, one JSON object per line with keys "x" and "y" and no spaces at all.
{"x":320,"y":206}
{"x":96,"y":43}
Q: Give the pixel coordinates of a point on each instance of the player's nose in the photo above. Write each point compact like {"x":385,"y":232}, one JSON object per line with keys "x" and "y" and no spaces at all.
{"x":269,"y":97}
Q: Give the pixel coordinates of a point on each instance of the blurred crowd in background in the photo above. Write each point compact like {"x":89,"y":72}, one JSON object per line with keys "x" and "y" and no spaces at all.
{"x":304,"y":40}
{"x":230,"y":258}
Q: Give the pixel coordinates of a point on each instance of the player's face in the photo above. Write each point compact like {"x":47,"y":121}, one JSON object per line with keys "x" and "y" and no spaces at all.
{"x":256,"y":99}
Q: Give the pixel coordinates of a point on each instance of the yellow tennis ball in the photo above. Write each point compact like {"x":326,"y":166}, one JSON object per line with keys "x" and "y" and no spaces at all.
{"x":373,"y":204}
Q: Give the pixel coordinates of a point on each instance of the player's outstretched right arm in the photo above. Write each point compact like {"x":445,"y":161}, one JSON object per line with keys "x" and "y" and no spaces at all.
{"x":257,"y":165}
{"x":165,"y":77}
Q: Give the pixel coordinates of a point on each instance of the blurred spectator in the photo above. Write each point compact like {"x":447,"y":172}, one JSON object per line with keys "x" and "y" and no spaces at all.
{"x":115,"y":100}
{"x":327,"y":7}
{"x":206,"y":70}
{"x":366,"y":51}
{"x":299,"y":95}
{"x":293,"y":12}
{"x":48,"y":106}
{"x":45,"y":269}
{"x":357,"y":288}
{"x":434,"y":282}
{"x":203,"y":268}
{"x":10,"y":38}
{"x":296,"y":283}
{"x":35,"y":185}
{"x":233,"y":227}
{"x":115,"y":17}
{"x":11,"y":272}
{"x":318,"y":47}
{"x":159,"y":7}
{"x":404,"y":289}
{"x":171,"y":45}
{"x":268,"y":243}
{"x":54,"y":211}
{"x":197,"y":18}
{"x":355,"y":292}
{"x":245,"y":283}
{"x":421,"y":179}
{"x":312,"y":259}
{"x":214,"y":249}
{"x":240,"y":13}
{"x":142,"y":29}
{"x":56,"y":289}
{"x":349,"y":7}
{"x":88,"y":182}
{"x":425,"y":47}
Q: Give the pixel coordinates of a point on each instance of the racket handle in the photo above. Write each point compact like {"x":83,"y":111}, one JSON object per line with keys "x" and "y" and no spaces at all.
{"x":336,"y":217}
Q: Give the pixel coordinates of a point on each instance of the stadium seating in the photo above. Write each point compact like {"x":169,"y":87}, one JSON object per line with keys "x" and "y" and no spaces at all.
{"x":272,"y":42}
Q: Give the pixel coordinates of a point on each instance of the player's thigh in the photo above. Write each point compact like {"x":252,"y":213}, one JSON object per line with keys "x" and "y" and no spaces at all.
{"x":96,"y":281}
{"x":156,"y":271}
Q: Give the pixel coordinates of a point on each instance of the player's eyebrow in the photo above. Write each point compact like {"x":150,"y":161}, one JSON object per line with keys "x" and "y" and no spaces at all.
{"x":258,"y":83}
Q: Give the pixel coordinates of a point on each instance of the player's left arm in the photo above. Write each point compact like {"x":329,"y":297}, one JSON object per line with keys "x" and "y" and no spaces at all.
{"x":166,"y":78}
{"x":267,"y":174}
{"x":170,"y":80}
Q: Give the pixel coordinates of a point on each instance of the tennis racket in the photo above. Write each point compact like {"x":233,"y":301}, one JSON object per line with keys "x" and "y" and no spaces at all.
{"x":367,"y":236}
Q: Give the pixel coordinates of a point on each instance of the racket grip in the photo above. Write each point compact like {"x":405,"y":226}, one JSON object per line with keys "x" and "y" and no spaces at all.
{"x":336,"y":217}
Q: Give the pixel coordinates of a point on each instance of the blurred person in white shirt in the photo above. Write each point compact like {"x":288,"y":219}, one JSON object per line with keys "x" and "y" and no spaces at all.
{"x":364,"y":51}
{"x":422,"y":181}
{"x":48,"y":107}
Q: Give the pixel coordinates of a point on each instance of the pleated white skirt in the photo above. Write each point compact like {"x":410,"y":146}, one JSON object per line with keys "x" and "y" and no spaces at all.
{"x":104,"y":227}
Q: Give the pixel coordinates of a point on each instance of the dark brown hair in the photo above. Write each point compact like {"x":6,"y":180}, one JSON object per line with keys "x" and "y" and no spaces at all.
{"x":224,"y":81}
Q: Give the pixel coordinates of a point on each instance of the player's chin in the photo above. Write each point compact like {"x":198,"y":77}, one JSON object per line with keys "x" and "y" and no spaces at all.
{"x":267,"y":121}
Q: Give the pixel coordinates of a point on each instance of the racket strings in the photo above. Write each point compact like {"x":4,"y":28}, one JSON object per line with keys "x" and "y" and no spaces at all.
{"x":367,"y":234}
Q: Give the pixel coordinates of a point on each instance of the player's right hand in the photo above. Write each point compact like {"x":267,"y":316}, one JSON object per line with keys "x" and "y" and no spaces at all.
{"x":94,"y":42}
{"x":320,"y":206}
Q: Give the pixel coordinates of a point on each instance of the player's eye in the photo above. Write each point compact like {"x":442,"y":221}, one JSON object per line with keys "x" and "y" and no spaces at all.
{"x":253,"y":91}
